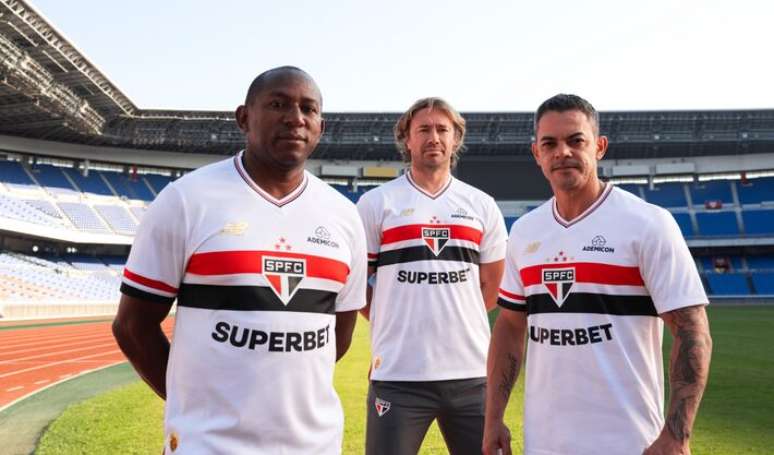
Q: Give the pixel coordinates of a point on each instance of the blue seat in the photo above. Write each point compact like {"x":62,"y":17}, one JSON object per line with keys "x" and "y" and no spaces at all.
{"x":717,"y":223}
{"x":667,"y":195}
{"x":719,"y":190}
{"x":761,"y":262}
{"x":728,"y":284}
{"x":634,"y":189}
{"x":757,"y":222}
{"x":763,"y":282}
{"x":684,"y":221}
{"x":91,"y":184}
{"x":12,"y":172}
{"x":756,"y":191}
{"x":509,"y":220}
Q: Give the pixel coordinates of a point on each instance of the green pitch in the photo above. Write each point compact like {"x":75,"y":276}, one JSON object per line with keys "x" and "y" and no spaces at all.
{"x":737,"y":414}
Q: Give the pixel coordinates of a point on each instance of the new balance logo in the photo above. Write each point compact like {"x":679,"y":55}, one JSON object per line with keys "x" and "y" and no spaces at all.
{"x":436,"y":238}
{"x":284,"y":275}
{"x":558,"y":282}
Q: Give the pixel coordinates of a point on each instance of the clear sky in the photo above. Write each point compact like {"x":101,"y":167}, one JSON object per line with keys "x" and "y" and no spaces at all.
{"x":480,"y":55}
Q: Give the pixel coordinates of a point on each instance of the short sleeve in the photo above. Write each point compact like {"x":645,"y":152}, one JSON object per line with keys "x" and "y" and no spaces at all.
{"x":369,"y":209}
{"x":493,"y":242}
{"x":353,"y":295}
{"x":511,"y":293}
{"x":157,"y":259}
{"x":667,"y":268}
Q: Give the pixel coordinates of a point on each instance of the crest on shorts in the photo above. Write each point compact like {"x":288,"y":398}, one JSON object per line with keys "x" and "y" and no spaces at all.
{"x":382,"y":406}
{"x":284,"y":275}
{"x":435,"y":238}
{"x":558,"y":282}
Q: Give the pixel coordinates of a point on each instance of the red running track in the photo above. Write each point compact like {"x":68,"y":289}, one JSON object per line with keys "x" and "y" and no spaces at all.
{"x":34,"y":358}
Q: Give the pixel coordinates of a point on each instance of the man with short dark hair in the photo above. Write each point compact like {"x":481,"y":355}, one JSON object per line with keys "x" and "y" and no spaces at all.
{"x":436,"y":246}
{"x":267,"y":264}
{"x":591,"y":277}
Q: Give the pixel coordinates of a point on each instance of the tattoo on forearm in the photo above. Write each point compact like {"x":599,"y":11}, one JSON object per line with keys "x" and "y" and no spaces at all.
{"x":509,"y":376}
{"x":689,"y":369}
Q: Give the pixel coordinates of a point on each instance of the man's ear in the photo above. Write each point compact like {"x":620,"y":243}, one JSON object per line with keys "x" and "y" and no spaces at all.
{"x":241,"y":118}
{"x":534,"y":149}
{"x":601,"y":147}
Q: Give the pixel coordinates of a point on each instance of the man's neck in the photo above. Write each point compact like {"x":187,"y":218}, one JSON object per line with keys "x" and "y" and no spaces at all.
{"x":572,"y":203}
{"x":432,"y":180}
{"x":277,"y":182}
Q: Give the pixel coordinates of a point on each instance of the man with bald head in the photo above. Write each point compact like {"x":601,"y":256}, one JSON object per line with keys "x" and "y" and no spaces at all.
{"x":268,"y":266}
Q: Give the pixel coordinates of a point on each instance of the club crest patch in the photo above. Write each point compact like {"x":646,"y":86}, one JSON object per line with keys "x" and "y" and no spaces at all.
{"x":436,"y":238}
{"x":382,"y":406}
{"x":284,"y":275}
{"x":559,"y":282}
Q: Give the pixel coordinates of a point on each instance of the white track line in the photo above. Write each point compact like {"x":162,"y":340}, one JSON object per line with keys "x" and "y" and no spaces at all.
{"x":47,"y":354}
{"x":59,"y":363}
{"x":53,"y":384}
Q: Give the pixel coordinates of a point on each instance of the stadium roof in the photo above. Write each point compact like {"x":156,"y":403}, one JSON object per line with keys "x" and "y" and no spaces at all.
{"x":50,"y":90}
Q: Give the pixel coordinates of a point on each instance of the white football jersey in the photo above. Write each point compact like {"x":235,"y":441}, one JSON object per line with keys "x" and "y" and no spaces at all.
{"x":258,"y":282}
{"x":428,"y":319}
{"x":592,"y":289}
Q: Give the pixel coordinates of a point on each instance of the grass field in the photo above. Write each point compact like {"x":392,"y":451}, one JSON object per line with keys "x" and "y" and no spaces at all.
{"x":737,"y":414}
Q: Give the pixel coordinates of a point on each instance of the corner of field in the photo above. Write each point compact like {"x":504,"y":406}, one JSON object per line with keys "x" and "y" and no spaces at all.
{"x":23,"y":422}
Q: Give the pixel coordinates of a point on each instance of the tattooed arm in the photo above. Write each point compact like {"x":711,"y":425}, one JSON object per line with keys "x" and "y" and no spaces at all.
{"x":506,"y":351}
{"x":688,"y":370}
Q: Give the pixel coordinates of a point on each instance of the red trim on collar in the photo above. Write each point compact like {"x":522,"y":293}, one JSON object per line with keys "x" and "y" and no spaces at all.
{"x":605,"y":193}
{"x":290,"y":197}
{"x":431,"y":196}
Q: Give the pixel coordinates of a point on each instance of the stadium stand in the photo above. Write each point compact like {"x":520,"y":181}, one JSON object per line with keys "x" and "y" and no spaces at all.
{"x":666,"y":195}
{"x":719,"y":190}
{"x":93,"y":183}
{"x":133,"y":187}
{"x":58,"y":98}
{"x":758,"y":222}
{"x":14,"y":176}
{"x":23,"y":210}
{"x":53,"y":179}
{"x":118,"y":218}
{"x":756,"y":191}
{"x":157,"y":182}
{"x":83,"y":217}
{"x":717,"y":223}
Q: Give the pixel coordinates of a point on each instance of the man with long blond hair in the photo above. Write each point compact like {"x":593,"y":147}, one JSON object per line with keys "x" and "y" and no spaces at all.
{"x":436,"y":246}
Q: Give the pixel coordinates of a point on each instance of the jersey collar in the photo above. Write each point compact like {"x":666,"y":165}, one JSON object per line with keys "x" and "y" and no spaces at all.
{"x":290,"y":197}
{"x":430,"y":195}
{"x":587,"y":212}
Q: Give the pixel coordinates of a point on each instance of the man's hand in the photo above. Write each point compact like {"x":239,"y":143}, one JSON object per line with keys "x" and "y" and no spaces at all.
{"x":665,"y":444}
{"x":497,"y":439}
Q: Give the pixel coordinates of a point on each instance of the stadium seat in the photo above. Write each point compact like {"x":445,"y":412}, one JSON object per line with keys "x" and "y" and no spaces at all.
{"x":91,"y":184}
{"x":758,"y":222}
{"x":667,"y":195}
{"x":83,"y":217}
{"x":717,"y":223}
{"x":509,"y":220}
{"x":684,"y":221}
{"x":727,"y":284}
{"x":118,"y":218}
{"x":13,"y":174}
{"x":719,"y":190}
{"x":132,"y":187}
{"x":756,"y":191}
{"x":763,"y":283}
{"x":760,"y":262}
{"x":634,"y":189}
{"x":157,"y":182}
{"x":52,"y":179}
